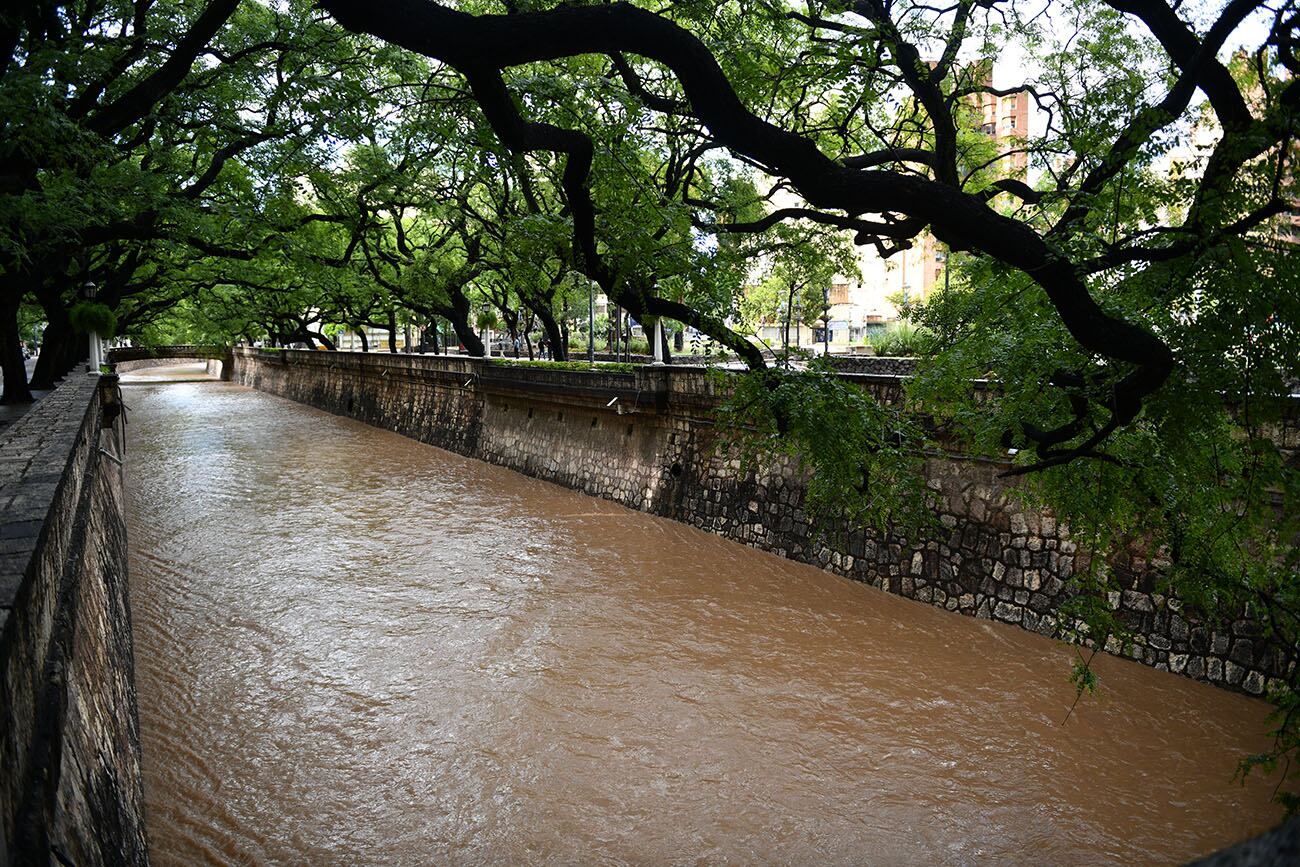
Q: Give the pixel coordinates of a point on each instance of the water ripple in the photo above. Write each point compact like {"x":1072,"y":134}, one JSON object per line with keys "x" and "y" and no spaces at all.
{"x":355,"y":649}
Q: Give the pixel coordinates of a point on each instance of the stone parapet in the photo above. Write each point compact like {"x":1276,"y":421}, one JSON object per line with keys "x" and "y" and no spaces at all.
{"x":70,"y":785}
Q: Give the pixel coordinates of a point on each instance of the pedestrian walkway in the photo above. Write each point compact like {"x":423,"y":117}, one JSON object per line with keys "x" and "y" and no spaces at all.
{"x":10,"y":413}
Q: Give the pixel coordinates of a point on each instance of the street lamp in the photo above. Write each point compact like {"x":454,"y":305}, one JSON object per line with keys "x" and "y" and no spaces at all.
{"x":591,"y":322}
{"x":88,"y":292}
{"x":826,"y":321}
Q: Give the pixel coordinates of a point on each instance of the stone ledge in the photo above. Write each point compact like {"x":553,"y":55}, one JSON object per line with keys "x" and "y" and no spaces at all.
{"x":34,"y":457}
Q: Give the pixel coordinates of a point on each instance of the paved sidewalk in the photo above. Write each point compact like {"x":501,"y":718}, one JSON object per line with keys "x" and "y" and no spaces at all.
{"x":10,"y":413}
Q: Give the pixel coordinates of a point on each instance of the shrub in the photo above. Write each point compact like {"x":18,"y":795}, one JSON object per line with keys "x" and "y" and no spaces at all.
{"x":905,"y":340}
{"x":88,"y":316}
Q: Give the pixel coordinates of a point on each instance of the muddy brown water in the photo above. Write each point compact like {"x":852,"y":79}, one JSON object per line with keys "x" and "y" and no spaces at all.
{"x":355,"y":649}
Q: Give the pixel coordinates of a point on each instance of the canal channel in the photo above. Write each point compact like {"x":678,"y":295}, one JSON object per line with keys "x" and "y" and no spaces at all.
{"x":352,"y":648}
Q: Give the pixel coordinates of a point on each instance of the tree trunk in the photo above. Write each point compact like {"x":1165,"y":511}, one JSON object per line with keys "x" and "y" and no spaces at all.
{"x":392,"y":332}
{"x":465,"y":333}
{"x":468,"y":338}
{"x":511,"y":322}
{"x":12,"y":362}
{"x":59,"y":353}
{"x":365,"y":341}
{"x":555,"y":337}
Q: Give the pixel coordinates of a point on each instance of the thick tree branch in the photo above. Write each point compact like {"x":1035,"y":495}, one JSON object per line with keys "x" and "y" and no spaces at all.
{"x":140,"y":99}
{"x":961,"y":220}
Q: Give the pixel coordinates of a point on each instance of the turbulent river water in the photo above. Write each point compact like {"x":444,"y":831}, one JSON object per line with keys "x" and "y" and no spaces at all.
{"x":355,"y":649}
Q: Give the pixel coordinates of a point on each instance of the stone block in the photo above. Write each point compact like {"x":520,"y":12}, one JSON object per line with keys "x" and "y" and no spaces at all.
{"x":1243,"y":652}
{"x":20,"y":529}
{"x":1135,"y":601}
{"x":1008,"y":613}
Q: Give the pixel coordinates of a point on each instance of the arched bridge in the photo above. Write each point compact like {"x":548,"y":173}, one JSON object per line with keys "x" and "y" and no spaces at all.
{"x":127,"y":358}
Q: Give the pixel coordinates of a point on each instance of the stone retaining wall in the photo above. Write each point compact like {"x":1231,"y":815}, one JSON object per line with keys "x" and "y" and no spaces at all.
{"x":645,"y":440}
{"x":873,"y":364}
{"x":70,"y":785}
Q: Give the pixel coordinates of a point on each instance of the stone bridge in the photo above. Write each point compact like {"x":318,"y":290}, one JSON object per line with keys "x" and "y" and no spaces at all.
{"x":125,"y":359}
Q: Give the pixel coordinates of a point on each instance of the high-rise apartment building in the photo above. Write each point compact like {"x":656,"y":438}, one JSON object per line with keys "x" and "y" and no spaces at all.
{"x":872,"y":299}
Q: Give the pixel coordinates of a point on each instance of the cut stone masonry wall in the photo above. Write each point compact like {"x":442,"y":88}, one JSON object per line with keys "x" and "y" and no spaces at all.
{"x":873,"y":364}
{"x":70,"y":785}
{"x":645,"y":440}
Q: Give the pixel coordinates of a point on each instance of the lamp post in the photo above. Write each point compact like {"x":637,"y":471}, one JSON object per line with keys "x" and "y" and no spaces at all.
{"x":826,"y":321}
{"x":591,"y":322}
{"x":88,"y":292}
